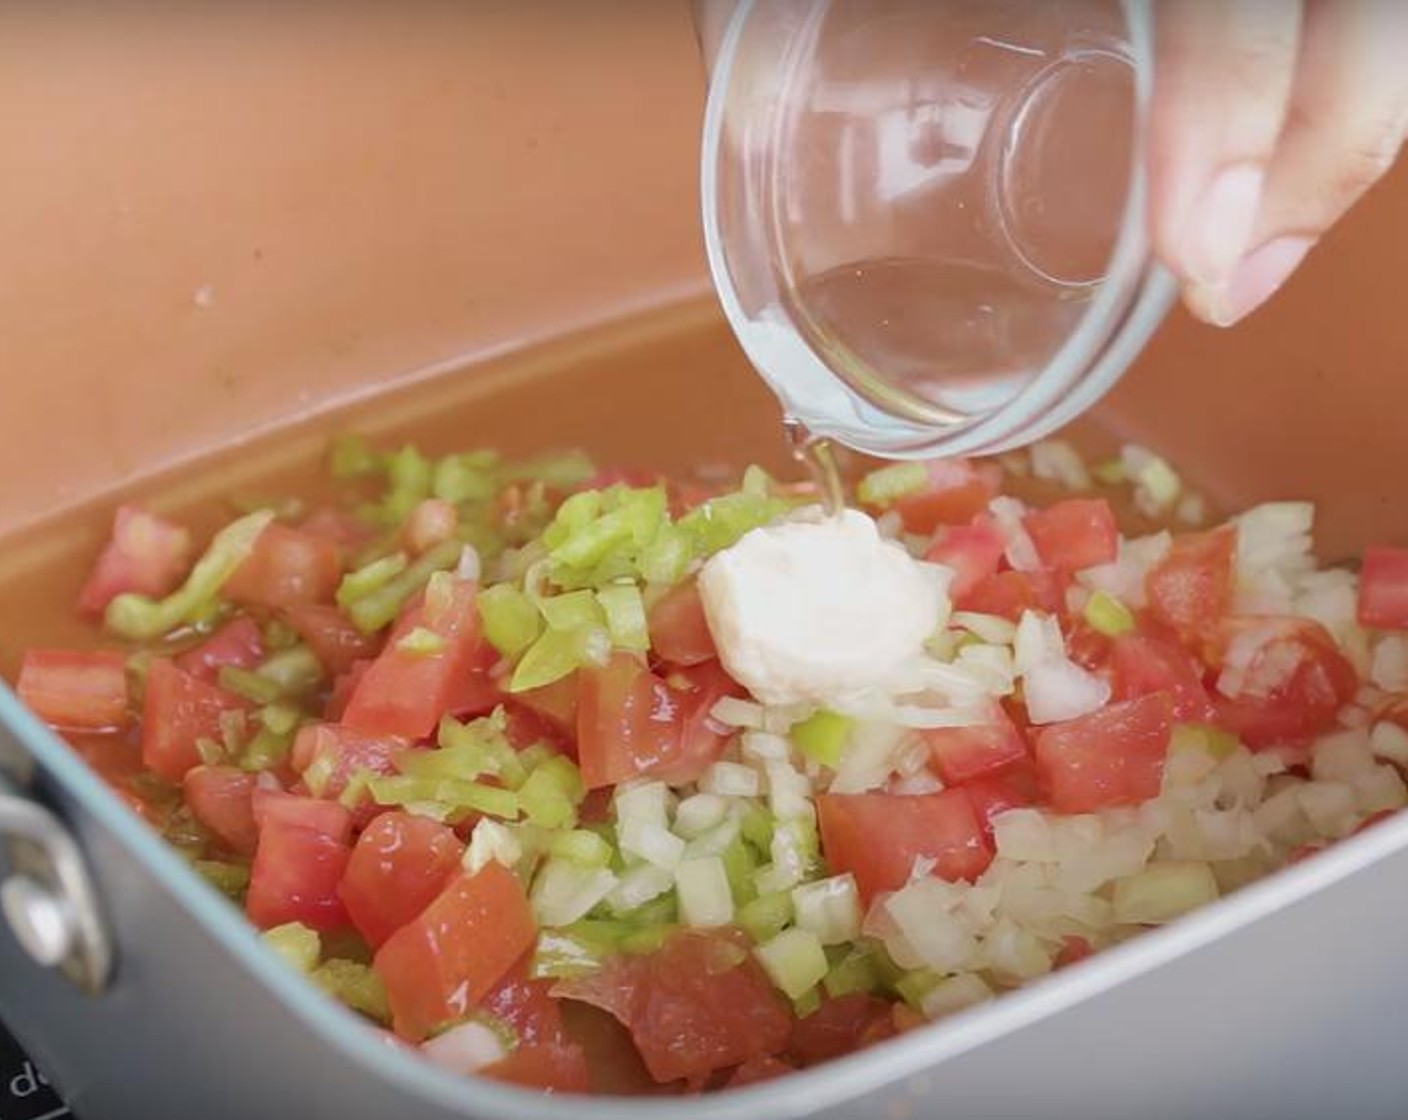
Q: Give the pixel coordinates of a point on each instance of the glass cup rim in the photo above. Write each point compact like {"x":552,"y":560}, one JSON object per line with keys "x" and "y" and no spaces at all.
{"x":1128,"y":304}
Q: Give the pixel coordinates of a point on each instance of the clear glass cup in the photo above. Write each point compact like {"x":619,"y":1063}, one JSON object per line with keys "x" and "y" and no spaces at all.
{"x":926,"y":218}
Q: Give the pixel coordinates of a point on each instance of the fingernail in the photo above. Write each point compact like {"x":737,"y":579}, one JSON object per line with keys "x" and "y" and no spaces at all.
{"x":1253,"y":282}
{"x":1218,"y":231}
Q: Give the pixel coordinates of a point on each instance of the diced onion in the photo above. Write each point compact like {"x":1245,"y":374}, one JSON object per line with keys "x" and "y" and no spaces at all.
{"x":639,"y":885}
{"x":735,"y":712}
{"x":1021,"y":553}
{"x":1024,"y":834}
{"x":1388,"y":740}
{"x":465,"y":1049}
{"x":923,"y":916}
{"x":1329,"y":806}
{"x":1162,"y":892}
{"x":703,"y":891}
{"x":698,"y":814}
{"x":731,"y":779}
{"x":794,"y":961}
{"x":957,"y":993}
{"x":1061,"y":690}
{"x":1057,"y":461}
{"x":491,"y":841}
{"x":1341,"y":757}
{"x":1379,"y":790}
{"x":1388,"y":666}
{"x":1013,"y":953}
{"x":469,"y":566}
{"x":991,"y":628}
{"x":565,"y":891}
{"x":829,"y":909}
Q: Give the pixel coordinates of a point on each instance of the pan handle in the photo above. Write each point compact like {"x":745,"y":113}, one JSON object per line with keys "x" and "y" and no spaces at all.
{"x":47,"y":895}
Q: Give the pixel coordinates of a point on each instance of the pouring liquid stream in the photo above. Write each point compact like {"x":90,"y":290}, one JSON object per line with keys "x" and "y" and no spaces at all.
{"x":816,"y":455}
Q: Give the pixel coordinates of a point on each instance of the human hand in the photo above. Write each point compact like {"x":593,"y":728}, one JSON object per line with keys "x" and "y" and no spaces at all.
{"x":1270,"y":118}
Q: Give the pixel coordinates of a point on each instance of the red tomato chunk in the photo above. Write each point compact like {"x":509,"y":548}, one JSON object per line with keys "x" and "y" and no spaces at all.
{"x":405,"y":692}
{"x":147,"y":555}
{"x":973,"y":552}
{"x":1114,"y":756}
{"x":959,"y":754}
{"x":222,"y":799}
{"x":1190,"y":589}
{"x":287,"y":566}
{"x":180,"y":710}
{"x":1074,"y":534}
{"x":300,"y":859}
{"x":878,"y":836}
{"x":75,"y":689}
{"x":438,"y":967}
{"x":697,"y":1005}
{"x":237,"y":644}
{"x":399,"y":865}
{"x":1383,"y":589}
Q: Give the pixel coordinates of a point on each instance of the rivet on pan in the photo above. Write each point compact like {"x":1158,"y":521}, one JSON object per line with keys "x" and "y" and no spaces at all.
{"x":40,"y":920}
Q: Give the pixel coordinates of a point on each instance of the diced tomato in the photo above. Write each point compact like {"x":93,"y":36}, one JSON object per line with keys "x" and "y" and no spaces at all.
{"x":300,"y":859}
{"x":146,"y":555}
{"x":1114,"y":756}
{"x":237,"y":643}
{"x":702,"y":738}
{"x":405,"y":692}
{"x":341,"y":528}
{"x":839,"y":1027}
{"x":1142,"y":665}
{"x":1010,"y":594}
{"x":179,"y":710}
{"x":555,"y":703}
{"x":445,"y":961}
{"x":1074,"y":534}
{"x":555,"y":1068}
{"x":524,"y":728}
{"x":679,"y":631}
{"x":342,"y":689}
{"x":286,"y":566}
{"x":757,"y":1070}
{"x":75,"y":689}
{"x":222,"y":799}
{"x":399,"y":865}
{"x":1016,"y":787}
{"x":957,"y":492}
{"x":475,"y":692}
{"x":628,"y":721}
{"x":973,"y":552}
{"x":699,"y":1004}
{"x":1086,"y":646}
{"x":631,"y":723}
{"x":960,"y":754}
{"x":335,"y":642}
{"x":1073,"y":950}
{"x":327,"y":755}
{"x":878,"y":836}
{"x":327,"y":817}
{"x":527,"y":1005}
{"x":1383,"y":589}
{"x":1190,"y":589}
{"x":1294,"y":680}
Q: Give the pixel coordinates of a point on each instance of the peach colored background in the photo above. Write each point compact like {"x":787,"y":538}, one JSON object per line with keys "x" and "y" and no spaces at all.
{"x":213,"y":224}
{"x":360,"y":195}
